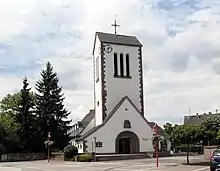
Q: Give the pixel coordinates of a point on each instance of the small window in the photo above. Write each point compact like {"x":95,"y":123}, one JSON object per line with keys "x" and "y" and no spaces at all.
{"x":127,"y":124}
{"x":98,"y":144}
{"x":121,"y":65}
{"x":97,"y":69}
{"x":115,"y":64}
{"x":127,"y":66}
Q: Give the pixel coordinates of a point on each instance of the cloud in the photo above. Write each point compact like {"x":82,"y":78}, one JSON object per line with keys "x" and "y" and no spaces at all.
{"x":181,"y":49}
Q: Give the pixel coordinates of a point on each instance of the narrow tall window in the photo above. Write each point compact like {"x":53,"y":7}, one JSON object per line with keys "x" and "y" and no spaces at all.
{"x":115,"y":64}
{"x":121,"y":65}
{"x":127,"y":66}
{"x":97,"y":69}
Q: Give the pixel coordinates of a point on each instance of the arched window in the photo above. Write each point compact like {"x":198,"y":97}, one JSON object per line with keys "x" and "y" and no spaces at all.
{"x":115,"y":64}
{"x":121,"y":65}
{"x":127,"y":66}
{"x":127,"y":124}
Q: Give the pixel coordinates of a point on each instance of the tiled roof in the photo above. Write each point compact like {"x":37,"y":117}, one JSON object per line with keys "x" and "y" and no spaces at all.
{"x":84,"y":123}
{"x":118,"y":39}
{"x":197,"y":119}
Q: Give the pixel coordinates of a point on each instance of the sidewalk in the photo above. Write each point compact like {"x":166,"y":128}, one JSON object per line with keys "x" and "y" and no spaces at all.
{"x":178,"y":167}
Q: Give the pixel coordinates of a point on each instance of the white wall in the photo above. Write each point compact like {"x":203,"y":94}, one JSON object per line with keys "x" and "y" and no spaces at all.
{"x":98,"y":90}
{"x":80,"y":146}
{"x":117,"y":88}
{"x":168,"y":145}
{"x":108,"y":133}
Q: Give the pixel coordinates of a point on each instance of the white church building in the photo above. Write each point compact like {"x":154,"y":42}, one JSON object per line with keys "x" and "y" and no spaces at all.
{"x":117,"y":123}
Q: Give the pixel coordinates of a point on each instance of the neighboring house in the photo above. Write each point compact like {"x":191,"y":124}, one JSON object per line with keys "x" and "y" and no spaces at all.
{"x":165,"y":144}
{"x":198,"y":119}
{"x":117,"y":124}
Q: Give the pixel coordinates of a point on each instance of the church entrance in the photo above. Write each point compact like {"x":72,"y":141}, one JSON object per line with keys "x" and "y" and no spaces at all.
{"x":127,"y":142}
{"x":124,"y":146}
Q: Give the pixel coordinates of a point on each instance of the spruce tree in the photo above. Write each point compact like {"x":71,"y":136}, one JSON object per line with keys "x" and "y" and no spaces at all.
{"x":52,"y":116}
{"x":25,"y":117}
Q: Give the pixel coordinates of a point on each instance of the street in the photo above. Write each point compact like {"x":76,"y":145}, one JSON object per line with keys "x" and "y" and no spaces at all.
{"x":166,"y":164}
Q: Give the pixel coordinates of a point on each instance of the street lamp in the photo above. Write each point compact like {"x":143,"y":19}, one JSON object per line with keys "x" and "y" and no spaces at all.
{"x":48,"y":143}
{"x":95,"y":147}
{"x":156,"y":138}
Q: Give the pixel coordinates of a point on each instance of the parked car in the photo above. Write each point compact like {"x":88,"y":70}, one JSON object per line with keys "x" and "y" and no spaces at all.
{"x":215,"y":160}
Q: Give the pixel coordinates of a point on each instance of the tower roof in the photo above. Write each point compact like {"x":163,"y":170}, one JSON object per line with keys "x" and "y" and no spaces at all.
{"x":117,"y":39}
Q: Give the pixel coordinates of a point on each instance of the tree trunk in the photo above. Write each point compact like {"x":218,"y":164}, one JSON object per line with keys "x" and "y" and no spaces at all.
{"x":187,"y":154}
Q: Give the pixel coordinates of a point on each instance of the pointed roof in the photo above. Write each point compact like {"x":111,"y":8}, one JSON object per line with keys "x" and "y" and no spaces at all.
{"x":87,"y":134}
{"x":84,"y":123}
{"x":88,"y":118}
{"x":117,"y":39}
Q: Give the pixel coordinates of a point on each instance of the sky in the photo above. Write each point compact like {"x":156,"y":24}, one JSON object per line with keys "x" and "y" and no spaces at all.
{"x":181,"y":40}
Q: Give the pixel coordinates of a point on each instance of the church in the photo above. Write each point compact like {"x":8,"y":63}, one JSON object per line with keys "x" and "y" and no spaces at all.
{"x":117,"y":124}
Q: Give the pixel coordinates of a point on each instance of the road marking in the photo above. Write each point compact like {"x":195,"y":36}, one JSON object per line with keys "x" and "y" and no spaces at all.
{"x":9,"y":169}
{"x":201,"y":169}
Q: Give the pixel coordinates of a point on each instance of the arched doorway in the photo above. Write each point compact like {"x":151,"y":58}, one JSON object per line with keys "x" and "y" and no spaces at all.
{"x":127,"y":142}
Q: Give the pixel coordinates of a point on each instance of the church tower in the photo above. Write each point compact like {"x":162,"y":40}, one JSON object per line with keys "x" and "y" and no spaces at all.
{"x":117,"y":73}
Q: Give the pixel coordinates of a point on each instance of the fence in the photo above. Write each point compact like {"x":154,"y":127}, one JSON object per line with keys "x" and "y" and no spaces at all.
{"x":22,"y":157}
{"x":208,"y":150}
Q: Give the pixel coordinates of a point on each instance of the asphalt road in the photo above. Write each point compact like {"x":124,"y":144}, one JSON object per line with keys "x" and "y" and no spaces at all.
{"x":165,"y":164}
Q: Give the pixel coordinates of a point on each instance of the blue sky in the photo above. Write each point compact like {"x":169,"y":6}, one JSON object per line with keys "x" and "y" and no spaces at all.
{"x":181,"y":41}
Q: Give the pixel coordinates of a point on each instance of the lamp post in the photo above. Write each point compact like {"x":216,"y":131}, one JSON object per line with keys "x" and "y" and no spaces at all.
{"x":94,"y":148}
{"x":48,"y":143}
{"x":49,"y":136}
{"x":155,"y":129}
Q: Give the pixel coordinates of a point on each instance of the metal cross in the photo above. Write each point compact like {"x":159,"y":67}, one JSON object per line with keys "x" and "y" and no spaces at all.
{"x":115,"y":25}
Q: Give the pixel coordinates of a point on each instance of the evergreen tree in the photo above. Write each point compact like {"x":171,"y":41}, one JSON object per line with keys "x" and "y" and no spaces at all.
{"x":52,"y":115}
{"x":25,"y":117}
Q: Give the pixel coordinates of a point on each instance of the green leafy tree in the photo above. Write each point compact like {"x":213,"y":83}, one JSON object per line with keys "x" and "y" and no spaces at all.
{"x":218,"y":135}
{"x":211,"y":126}
{"x":168,"y":129}
{"x":188,"y":134}
{"x":52,"y":116}
{"x":10,"y":103}
{"x":8,"y":110}
{"x":25,"y":118}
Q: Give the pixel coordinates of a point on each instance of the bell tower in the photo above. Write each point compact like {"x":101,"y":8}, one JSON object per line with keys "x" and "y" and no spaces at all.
{"x":117,"y":72}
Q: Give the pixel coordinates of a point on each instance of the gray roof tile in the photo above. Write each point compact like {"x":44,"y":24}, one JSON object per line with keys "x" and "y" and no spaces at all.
{"x":118,"y":39}
{"x":197,"y":119}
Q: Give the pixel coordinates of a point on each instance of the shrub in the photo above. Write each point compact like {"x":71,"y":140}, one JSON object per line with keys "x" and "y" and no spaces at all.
{"x":2,"y":149}
{"x":192,"y":148}
{"x":13,"y":145}
{"x":86,"y":157}
{"x":70,"y":151}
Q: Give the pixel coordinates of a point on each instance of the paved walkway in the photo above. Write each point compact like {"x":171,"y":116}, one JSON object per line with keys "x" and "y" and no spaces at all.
{"x":166,"y":164}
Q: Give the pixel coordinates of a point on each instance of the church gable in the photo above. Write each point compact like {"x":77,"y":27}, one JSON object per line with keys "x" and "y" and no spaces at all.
{"x":127,"y":113}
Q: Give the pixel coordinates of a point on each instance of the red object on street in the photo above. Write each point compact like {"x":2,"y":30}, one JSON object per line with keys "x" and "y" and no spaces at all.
{"x":155,"y":129}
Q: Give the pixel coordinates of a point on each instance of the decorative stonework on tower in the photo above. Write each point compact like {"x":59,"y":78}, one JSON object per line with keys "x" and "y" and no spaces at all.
{"x":118,"y":72}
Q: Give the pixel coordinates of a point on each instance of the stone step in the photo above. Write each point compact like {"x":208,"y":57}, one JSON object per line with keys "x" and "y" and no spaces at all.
{"x":111,"y":157}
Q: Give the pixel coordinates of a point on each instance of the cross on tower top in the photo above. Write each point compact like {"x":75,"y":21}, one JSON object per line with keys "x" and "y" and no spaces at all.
{"x":115,"y":25}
